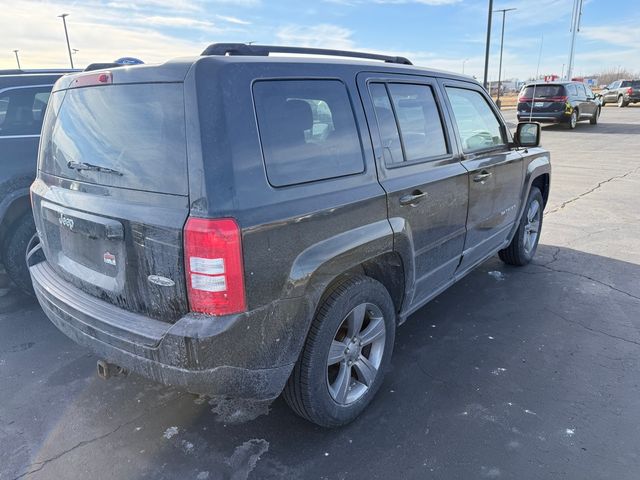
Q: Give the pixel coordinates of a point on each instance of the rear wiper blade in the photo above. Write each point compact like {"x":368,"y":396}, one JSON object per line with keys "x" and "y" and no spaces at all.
{"x":88,"y":166}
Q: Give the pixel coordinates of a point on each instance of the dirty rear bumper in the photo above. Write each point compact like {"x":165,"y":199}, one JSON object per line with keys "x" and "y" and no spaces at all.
{"x":234,"y":356}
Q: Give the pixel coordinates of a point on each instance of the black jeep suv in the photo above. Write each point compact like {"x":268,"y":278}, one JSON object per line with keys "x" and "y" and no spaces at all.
{"x":564,"y":102}
{"x":23,"y":98}
{"x":241,"y":224}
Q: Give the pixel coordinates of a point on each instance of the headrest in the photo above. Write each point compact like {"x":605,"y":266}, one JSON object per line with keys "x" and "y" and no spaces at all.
{"x":299,"y":113}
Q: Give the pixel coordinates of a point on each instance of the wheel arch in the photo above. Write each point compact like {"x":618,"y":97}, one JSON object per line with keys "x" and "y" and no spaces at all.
{"x":12,"y":208}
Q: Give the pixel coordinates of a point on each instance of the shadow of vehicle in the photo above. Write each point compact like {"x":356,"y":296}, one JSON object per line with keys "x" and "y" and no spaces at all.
{"x":512,"y":372}
{"x":603,"y":127}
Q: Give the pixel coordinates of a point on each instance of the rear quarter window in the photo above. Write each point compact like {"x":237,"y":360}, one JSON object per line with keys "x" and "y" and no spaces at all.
{"x":307,"y":130}
{"x":22,"y":110}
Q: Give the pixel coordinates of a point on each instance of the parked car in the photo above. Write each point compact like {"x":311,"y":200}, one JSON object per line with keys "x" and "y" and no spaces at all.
{"x":621,"y":92}
{"x":239,"y":224}
{"x":558,"y":102}
{"x":23,"y":98}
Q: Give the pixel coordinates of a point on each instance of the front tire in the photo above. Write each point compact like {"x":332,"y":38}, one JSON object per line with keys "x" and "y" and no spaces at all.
{"x":348,"y":348}
{"x":14,"y":252}
{"x":525,"y":242}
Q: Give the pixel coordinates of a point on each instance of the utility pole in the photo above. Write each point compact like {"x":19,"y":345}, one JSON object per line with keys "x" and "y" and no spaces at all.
{"x":504,"y":12}
{"x":66,"y":34}
{"x":576,"y":15}
{"x":486,"y":51}
{"x":17,"y":59}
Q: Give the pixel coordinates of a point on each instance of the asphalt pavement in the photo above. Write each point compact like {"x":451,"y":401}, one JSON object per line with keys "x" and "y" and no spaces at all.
{"x":513,"y":373}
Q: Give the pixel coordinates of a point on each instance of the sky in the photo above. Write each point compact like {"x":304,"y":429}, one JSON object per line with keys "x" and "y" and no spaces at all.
{"x":441,"y":34}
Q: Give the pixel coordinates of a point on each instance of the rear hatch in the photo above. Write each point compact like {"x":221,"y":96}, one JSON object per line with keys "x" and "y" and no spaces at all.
{"x":542,"y":99}
{"x":111,"y":197}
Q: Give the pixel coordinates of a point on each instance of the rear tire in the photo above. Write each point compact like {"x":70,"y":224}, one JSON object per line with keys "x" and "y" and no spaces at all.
{"x":14,"y":252}
{"x":573,"y":120}
{"x":331,"y":384}
{"x":621,"y":102}
{"x":594,"y":119}
{"x":523,"y":246}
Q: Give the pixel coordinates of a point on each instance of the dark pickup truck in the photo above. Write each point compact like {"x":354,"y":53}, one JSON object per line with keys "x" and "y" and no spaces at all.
{"x":621,"y":92}
{"x":243,"y":224}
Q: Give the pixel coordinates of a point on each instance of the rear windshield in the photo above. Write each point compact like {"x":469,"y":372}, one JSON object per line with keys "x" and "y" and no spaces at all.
{"x":130,"y":136}
{"x":631,"y":83}
{"x":543,"y":91}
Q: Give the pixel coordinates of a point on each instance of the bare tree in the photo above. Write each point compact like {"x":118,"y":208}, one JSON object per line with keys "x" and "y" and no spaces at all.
{"x":611,"y":75}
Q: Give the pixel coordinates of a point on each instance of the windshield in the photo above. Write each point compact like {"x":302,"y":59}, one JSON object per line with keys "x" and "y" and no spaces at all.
{"x":542,"y":91}
{"x":130,"y":136}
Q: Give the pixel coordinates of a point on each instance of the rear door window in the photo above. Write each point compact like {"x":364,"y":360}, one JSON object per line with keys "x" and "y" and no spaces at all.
{"x":307,"y":129}
{"x":419,"y":120}
{"x":572,"y":90}
{"x":478,"y":126}
{"x":22,"y":110}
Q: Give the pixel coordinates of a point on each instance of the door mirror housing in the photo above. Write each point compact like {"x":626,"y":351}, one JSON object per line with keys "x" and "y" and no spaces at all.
{"x":528,"y":134}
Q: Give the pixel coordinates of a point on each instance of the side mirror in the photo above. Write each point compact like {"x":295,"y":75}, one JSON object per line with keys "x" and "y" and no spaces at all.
{"x":528,"y":134}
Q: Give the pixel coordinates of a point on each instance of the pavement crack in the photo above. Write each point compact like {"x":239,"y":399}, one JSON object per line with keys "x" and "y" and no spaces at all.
{"x":587,"y":277}
{"x":591,"y":190}
{"x":40,"y":465}
{"x":592,"y":330}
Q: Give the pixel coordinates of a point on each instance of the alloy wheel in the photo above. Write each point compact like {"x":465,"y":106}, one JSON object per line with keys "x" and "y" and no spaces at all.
{"x":356,"y":353}
{"x":532,"y":226}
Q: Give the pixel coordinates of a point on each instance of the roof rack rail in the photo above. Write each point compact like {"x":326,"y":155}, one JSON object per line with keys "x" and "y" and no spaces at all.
{"x":244,"y":49}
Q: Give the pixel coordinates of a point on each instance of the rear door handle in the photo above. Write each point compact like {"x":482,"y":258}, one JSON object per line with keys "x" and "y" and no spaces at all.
{"x":412,"y":199}
{"x":482,"y":176}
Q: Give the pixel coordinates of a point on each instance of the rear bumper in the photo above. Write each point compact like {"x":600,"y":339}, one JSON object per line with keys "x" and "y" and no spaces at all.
{"x":544,"y":117}
{"x":247,"y":356}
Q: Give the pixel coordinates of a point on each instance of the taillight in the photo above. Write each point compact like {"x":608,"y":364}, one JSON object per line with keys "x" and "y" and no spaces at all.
{"x":523,"y":99}
{"x":630,"y":91}
{"x":213,"y":261}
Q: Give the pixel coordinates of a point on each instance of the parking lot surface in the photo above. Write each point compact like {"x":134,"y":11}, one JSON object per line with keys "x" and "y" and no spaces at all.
{"x":523,"y":373}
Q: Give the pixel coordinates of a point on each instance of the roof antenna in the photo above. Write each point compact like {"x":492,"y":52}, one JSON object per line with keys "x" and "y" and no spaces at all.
{"x":533,"y":98}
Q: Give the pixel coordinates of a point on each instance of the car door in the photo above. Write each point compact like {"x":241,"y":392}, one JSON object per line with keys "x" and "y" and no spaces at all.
{"x":612,"y":92}
{"x":418,"y":167}
{"x":21,"y":113}
{"x":495,"y":171}
{"x":585,"y":107}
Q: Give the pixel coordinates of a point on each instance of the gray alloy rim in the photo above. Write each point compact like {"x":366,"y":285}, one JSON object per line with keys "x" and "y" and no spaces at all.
{"x":532,"y":227}
{"x":574,"y":119}
{"x":620,"y":101}
{"x":356,"y":353}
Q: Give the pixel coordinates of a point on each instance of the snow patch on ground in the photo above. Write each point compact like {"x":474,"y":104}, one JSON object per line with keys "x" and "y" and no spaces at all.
{"x":499,"y":276}
{"x":170,"y":432}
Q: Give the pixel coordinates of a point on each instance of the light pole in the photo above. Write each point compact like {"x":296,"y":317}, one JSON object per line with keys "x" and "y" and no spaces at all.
{"x":17,"y":59}
{"x":463,"y":62}
{"x":486,"y":51}
{"x":575,"y":28}
{"x":66,"y":34}
{"x":504,"y":13}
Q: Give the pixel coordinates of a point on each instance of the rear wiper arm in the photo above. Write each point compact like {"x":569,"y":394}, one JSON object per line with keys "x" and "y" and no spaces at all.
{"x":88,"y":166}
